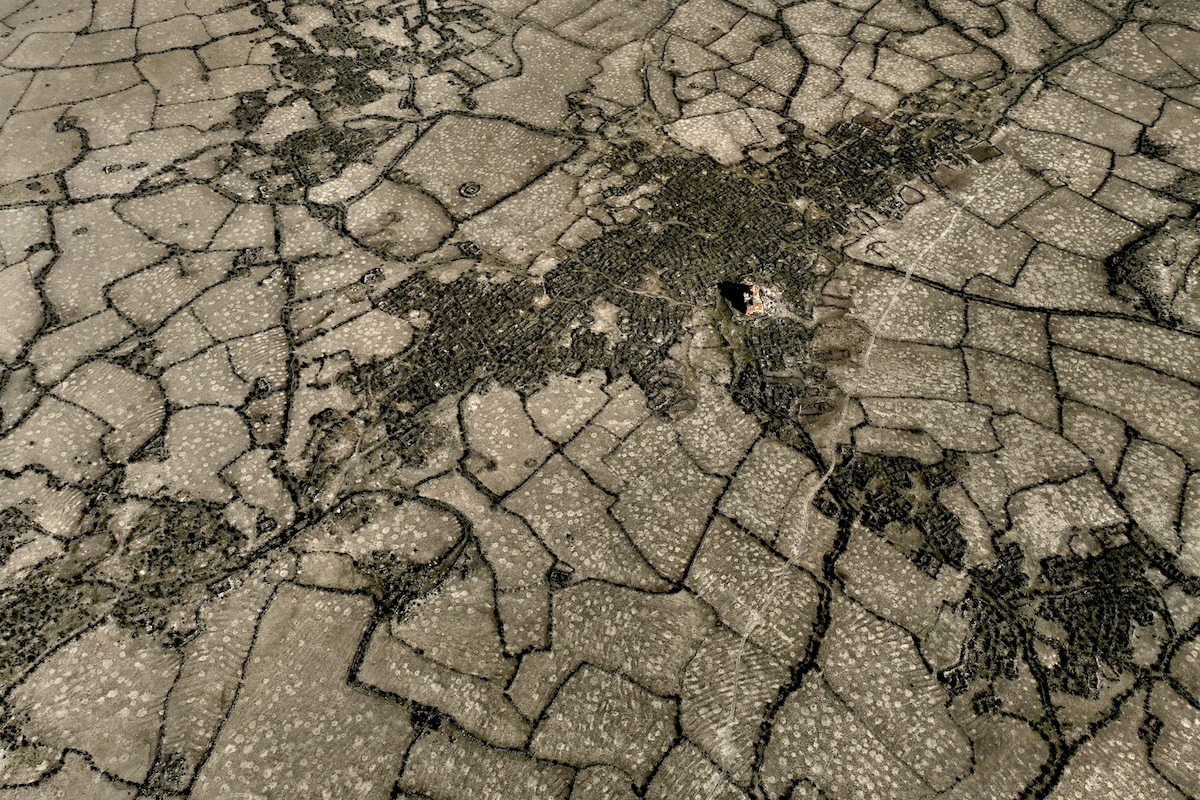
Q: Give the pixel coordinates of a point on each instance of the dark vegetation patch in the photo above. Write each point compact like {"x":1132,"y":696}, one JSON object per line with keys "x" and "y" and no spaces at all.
{"x":1097,"y":600}
{"x":397,"y":582}
{"x":712,"y":226}
{"x":175,"y":551}
{"x":37,"y":615}
{"x":896,"y":498}
{"x":14,"y":527}
{"x":1092,"y":604}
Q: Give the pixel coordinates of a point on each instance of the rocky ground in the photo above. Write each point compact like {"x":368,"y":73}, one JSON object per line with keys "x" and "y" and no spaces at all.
{"x":599,"y":400}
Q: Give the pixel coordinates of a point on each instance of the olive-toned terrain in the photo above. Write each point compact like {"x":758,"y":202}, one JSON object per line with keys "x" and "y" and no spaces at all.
{"x":664,"y":399}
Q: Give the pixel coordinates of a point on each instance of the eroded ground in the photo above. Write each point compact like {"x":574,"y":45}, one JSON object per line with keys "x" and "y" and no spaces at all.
{"x":599,"y":400}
